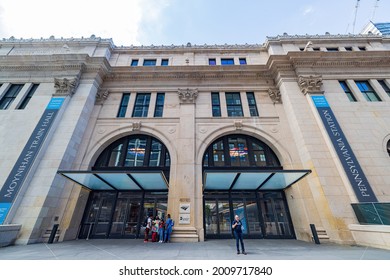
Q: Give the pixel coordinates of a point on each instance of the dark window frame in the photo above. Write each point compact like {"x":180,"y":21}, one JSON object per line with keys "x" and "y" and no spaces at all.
{"x":123,"y":105}
{"x":150,"y":62}
{"x":164,"y":62}
{"x":385,"y":87}
{"x":159,"y":108}
{"x":212,"y":61}
{"x":134,"y":62}
{"x":347,"y":91}
{"x":216,"y":104}
{"x":367,"y":93}
{"x":242,"y":61}
{"x":144,"y":106}
{"x":237,"y":107}
{"x":227,"y":61}
{"x":252,"y":104}
{"x":26,"y":99}
{"x":10,"y":95}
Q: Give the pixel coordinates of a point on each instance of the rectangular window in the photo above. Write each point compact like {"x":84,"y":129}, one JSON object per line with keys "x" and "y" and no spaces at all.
{"x":242,"y":61}
{"x":123,"y":107}
{"x":164,"y":62}
{"x":28,"y":96}
{"x":347,"y":91}
{"x":316,"y":49}
{"x":362,"y":48}
{"x":332,"y":49}
{"x":158,"y":110}
{"x":252,"y":104}
{"x":349,"y":49}
{"x":385,"y":86}
{"x":227,"y":61}
{"x":212,"y":61}
{"x":134,"y":62}
{"x":367,"y":91}
{"x":9,"y":96}
{"x":233,"y":103}
{"x":141,"y":105}
{"x":149,"y":62}
{"x":216,"y":104}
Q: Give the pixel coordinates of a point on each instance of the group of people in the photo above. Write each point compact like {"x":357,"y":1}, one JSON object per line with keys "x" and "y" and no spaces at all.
{"x":161,"y":230}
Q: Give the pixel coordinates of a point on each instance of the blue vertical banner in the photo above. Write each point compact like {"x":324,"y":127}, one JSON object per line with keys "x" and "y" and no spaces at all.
{"x":26,"y":159}
{"x":355,"y":174}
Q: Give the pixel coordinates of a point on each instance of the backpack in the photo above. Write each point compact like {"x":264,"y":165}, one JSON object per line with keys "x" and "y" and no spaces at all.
{"x":145,"y":222}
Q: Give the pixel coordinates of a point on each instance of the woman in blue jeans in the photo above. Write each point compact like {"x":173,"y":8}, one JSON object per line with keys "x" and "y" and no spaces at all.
{"x":237,"y":227}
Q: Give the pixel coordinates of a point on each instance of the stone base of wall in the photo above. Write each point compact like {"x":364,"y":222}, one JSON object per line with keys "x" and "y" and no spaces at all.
{"x":377,"y":236}
{"x":8,"y":234}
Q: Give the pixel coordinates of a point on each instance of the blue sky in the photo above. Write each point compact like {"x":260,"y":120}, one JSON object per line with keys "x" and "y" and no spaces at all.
{"x":157,"y":22}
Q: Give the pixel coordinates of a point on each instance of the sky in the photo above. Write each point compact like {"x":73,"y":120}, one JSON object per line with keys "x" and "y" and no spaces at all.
{"x":177,"y":22}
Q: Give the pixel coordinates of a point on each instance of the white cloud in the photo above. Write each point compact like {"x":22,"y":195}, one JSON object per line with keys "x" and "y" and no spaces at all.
{"x":308,"y":10}
{"x":118,"y":19}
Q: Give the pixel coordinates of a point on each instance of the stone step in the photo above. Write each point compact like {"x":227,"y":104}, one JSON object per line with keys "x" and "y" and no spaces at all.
{"x":184,"y":234}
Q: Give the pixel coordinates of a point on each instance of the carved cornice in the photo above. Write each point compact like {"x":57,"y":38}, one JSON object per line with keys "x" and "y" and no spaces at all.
{"x":101,"y":96}
{"x":65,"y":86}
{"x":187,"y":95}
{"x":275,"y":95}
{"x":311,"y":84}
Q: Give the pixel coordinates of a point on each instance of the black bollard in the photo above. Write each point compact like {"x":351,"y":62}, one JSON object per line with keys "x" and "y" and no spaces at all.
{"x":314,"y":232}
{"x":53,"y":233}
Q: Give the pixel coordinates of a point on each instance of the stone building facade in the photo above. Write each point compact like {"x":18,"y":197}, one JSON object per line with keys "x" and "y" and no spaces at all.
{"x":200,"y":132}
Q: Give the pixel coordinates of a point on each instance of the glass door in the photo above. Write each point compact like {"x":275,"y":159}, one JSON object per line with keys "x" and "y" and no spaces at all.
{"x":217,"y":218}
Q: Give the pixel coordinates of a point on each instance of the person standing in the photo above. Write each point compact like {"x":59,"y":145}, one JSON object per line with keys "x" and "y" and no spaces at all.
{"x":161,"y":228}
{"x":168,"y":228}
{"x":238,"y":227}
{"x":148,"y":227}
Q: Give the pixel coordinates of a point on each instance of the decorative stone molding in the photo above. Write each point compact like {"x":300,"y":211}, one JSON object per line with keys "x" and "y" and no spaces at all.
{"x":65,"y":86}
{"x":275,"y":95}
{"x":101,"y":96}
{"x":187,"y":95}
{"x":136,"y":126}
{"x":238,"y":125}
{"x":311,"y":84}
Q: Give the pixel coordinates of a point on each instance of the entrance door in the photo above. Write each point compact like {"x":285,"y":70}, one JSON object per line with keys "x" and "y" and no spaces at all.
{"x":275,"y":215}
{"x":247,"y":210}
{"x":217,"y":218}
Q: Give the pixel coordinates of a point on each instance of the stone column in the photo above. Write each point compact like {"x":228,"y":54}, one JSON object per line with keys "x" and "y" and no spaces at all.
{"x":181,"y":198}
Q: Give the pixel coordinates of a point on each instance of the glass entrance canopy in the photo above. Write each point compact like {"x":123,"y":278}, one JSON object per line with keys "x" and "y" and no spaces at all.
{"x":118,"y":180}
{"x":251,"y":180}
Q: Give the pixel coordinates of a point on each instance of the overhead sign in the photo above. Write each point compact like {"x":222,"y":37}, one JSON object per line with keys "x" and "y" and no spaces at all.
{"x":351,"y":166}
{"x":26,"y":159}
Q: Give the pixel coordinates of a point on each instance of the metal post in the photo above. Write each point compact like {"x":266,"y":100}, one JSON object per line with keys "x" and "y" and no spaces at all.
{"x":314,"y":232}
{"x":53,"y":233}
{"x":89,"y":231}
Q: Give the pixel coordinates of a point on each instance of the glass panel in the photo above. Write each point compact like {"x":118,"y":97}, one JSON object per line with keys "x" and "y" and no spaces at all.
{"x":211,"y":217}
{"x":120,"y":181}
{"x":104,"y":218}
{"x":219,"y":181}
{"x":281,"y":216}
{"x":150,"y":181}
{"x":269,"y":218}
{"x":133,"y":212}
{"x":88,"y":180}
{"x":259,"y":158}
{"x":227,"y":61}
{"x":366,"y":213}
{"x":239,"y":209}
{"x":238,"y":151}
{"x":115,"y":156}
{"x":282,"y":180}
{"x":149,"y":62}
{"x":118,"y":221}
{"x":212,"y":61}
{"x":224,"y":217}
{"x":252,"y":213}
{"x":155,"y":153}
{"x":250,"y":181}
{"x":161,"y":210}
{"x":135,"y":152}
{"x":148,"y":210}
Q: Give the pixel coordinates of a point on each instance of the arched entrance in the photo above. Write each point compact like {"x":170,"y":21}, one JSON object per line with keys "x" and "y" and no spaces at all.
{"x":243,"y":176}
{"x":128,"y":182}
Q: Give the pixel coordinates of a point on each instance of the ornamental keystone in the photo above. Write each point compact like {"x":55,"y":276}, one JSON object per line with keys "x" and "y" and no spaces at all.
{"x":187,"y":95}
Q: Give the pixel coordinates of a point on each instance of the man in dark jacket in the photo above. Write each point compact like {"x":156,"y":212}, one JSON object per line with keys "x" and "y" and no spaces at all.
{"x":237,"y":227}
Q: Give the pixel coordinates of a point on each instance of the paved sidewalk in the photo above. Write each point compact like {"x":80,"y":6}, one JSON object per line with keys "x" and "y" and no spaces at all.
{"x":135,"y":249}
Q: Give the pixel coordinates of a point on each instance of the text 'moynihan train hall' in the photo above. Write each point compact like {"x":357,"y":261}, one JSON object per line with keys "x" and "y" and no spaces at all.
{"x":286,"y":134}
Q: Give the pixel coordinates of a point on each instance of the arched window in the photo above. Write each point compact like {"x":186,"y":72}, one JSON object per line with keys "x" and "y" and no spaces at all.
{"x":132,"y":152}
{"x":239,"y":151}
